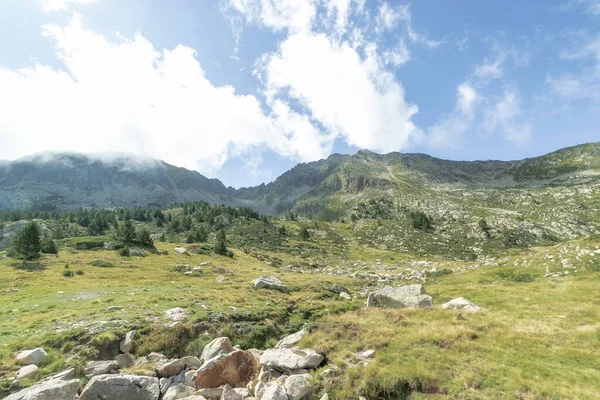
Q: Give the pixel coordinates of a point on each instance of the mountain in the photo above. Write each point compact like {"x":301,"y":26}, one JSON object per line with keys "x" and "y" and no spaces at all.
{"x":67,"y":181}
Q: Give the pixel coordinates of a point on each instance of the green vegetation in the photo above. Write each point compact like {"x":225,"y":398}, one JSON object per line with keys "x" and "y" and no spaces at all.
{"x":26,"y":244}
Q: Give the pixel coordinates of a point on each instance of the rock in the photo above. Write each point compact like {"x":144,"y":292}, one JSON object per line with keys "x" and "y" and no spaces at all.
{"x":179,"y":391}
{"x":244,"y":392}
{"x":195,"y":397}
{"x":346,"y":296}
{"x":141,"y":361}
{"x":325,"y":397}
{"x":182,"y":268}
{"x":180,"y":250}
{"x":55,"y":389}
{"x":400,"y":297}
{"x":125,"y":360}
{"x":235,"y":369}
{"x":274,"y":392}
{"x":339,"y":289}
{"x":218,"y":346}
{"x":459,"y":317}
{"x":188,"y":378}
{"x":121,"y":387}
{"x":268,"y":374}
{"x":210,"y":393}
{"x":368,"y":354}
{"x":114,"y":308}
{"x":65,"y":375}
{"x":127,"y":343}
{"x":28,"y":357}
{"x":169,"y":368}
{"x":220,"y":279}
{"x":291,"y":358}
{"x":460,"y":304}
{"x":230,"y":394}
{"x":297,"y":387}
{"x":95,"y":368}
{"x":176,"y":314}
{"x":28,"y":371}
{"x":137,"y":253}
{"x":290,"y":341}
{"x":156,"y":357}
{"x":191,"y":362}
{"x":269,"y":282}
{"x":165,"y":384}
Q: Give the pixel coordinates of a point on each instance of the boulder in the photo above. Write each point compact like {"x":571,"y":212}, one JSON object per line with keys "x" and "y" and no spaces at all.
{"x":188,"y":378}
{"x":210,"y":393}
{"x":121,"y":387}
{"x":235,"y":369}
{"x":28,"y":357}
{"x":191,"y":362}
{"x":230,"y":394}
{"x":400,"y":297}
{"x":269,"y":282}
{"x":156,"y":357}
{"x":178,"y":391}
{"x":28,"y":371}
{"x":460,"y":304}
{"x":346,"y":296}
{"x":164,"y":384}
{"x":274,"y":392}
{"x":180,"y":250}
{"x":218,"y":346}
{"x":339,"y":289}
{"x":182,"y":268}
{"x":289,"y":359}
{"x":290,"y":341}
{"x":55,"y":389}
{"x":176,"y":314}
{"x":141,"y":361}
{"x":127,"y":343}
{"x":368,"y":354}
{"x":95,"y":368}
{"x":125,"y":360}
{"x":297,"y":387}
{"x":137,"y":253}
{"x":169,"y":368}
{"x":65,"y":375}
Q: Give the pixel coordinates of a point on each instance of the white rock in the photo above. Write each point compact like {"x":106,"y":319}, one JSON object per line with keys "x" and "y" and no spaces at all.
{"x":188,"y":378}
{"x":55,"y":389}
{"x":291,"y":358}
{"x":460,"y":303}
{"x":121,"y":387}
{"x":181,"y":250}
{"x":297,"y":387}
{"x":221,"y":345}
{"x":290,"y":341}
{"x":127,"y":343}
{"x":368,"y":354}
{"x":179,"y":391}
{"x":65,"y":375}
{"x":269,"y":282}
{"x":274,"y":392}
{"x":28,"y":371}
{"x":230,"y":394}
{"x":191,"y":362}
{"x":176,"y":314}
{"x":400,"y":297}
{"x":95,"y":368}
{"x":35,"y":356}
{"x":346,"y":296}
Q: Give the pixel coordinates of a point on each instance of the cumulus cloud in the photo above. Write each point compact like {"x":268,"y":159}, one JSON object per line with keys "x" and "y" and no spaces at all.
{"x":449,"y":131}
{"x":278,"y":14}
{"x":61,"y":5}
{"x":505,"y":117}
{"x":125,"y":95}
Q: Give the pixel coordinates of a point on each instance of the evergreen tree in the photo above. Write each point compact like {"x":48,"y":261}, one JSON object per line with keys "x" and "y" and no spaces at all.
{"x":26,"y":244}
{"x":48,"y":246}
{"x":304,"y":234}
{"x":126,"y":232}
{"x":144,"y":239}
{"x":221,"y":243}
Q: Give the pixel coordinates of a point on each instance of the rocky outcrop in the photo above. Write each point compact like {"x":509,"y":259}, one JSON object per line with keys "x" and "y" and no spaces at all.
{"x":121,"y":387}
{"x":235,"y":369}
{"x":400,"y":297}
{"x":460,"y":303}
{"x":55,"y":389}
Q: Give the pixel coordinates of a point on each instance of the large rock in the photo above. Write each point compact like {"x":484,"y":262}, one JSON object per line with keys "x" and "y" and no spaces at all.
{"x":125,"y":360}
{"x":65,"y":375}
{"x":191,"y":362}
{"x":460,"y":304}
{"x":169,"y":368}
{"x":230,"y":394}
{"x":179,"y":391}
{"x":95,"y":368}
{"x":127,"y":343}
{"x":297,"y":387}
{"x":235,"y":369}
{"x":121,"y":387}
{"x":290,"y":341}
{"x":339,"y":289}
{"x":400,"y":297}
{"x":28,"y":357}
{"x":28,"y":371}
{"x":274,"y":392}
{"x":55,"y":389}
{"x":176,"y":314}
{"x":269,"y":282}
{"x":218,"y":346}
{"x":289,"y":359}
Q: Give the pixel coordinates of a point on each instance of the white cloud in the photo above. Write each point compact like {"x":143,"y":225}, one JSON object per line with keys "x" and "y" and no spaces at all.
{"x":61,"y":5}
{"x":490,"y":70}
{"x":128,"y":96}
{"x":449,"y":132}
{"x":388,"y":17}
{"x":278,"y":15}
{"x":398,"y":55}
{"x":352,"y":97}
{"x":505,"y":117}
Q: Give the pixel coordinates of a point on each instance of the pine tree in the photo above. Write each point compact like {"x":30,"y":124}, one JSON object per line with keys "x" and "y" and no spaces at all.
{"x":304,"y":234}
{"x":221,"y":243}
{"x":26,"y":244}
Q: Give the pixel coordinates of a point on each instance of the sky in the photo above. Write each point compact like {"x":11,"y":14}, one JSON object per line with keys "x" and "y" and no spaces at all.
{"x":243,"y":90}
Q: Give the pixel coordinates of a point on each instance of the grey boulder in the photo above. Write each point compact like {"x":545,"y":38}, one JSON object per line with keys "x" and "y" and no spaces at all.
{"x":28,"y":357}
{"x":121,"y":387}
{"x":50,"y":390}
{"x":400,"y":297}
{"x":290,"y":359}
{"x":95,"y":368}
{"x":269,"y":282}
{"x":179,"y":391}
{"x":460,"y":304}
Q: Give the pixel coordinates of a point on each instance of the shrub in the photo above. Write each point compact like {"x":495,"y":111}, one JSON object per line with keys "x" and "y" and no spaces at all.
{"x":68,"y":273}
{"x":48,"y":246}
{"x":26,"y":243}
{"x":515,"y":276}
{"x":102,"y":264}
{"x":79,"y":272}
{"x":124,"y":252}
{"x":421,"y":221}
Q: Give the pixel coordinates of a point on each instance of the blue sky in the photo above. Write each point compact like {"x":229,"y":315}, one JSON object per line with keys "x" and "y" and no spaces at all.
{"x":242,"y":90}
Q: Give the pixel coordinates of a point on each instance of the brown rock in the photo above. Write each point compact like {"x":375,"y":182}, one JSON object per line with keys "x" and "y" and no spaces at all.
{"x":235,"y":369}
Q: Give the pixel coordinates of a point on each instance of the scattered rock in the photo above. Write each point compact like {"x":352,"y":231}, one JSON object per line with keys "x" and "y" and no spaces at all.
{"x":49,"y":390}
{"x":65,"y":375}
{"x":178,"y":391}
{"x":28,"y":357}
{"x":137,"y":253}
{"x":176,"y":314}
{"x":28,"y":371}
{"x":400,"y":297}
{"x":230,"y":394}
{"x":156,"y":357}
{"x":269,"y":282}
{"x":127,"y":343}
{"x":114,"y":308}
{"x":460,"y":304}
{"x":218,"y":346}
{"x":291,"y":358}
{"x":125,"y":360}
{"x":121,"y":387}
{"x":182,"y":268}
{"x":180,"y":250}
{"x":339,"y":289}
{"x":169,"y":368}
{"x":290,"y":341}
{"x":297,"y":387}
{"x":368,"y":354}
{"x":274,"y":392}
{"x":346,"y":296}
{"x":235,"y":369}
{"x":220,"y":279}
{"x":95,"y":368}
{"x":191,"y":362}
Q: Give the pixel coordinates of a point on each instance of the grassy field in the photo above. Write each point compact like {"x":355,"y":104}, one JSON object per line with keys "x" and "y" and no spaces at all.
{"x":537,"y":337}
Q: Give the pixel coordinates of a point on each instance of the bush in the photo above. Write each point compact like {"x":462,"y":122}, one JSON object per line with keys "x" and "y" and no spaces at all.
{"x":48,"y":246}
{"x":79,"y":272}
{"x":515,"y":276}
{"x":124,"y":252}
{"x":102,"y":264}
{"x":68,"y":273}
{"x":421,"y":221}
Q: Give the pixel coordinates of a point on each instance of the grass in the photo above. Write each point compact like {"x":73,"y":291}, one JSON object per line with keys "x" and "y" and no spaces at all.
{"x":537,"y":338}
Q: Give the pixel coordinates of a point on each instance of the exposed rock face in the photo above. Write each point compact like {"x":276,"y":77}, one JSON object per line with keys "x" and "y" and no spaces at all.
{"x":400,"y":297}
{"x":235,"y":369}
{"x":28,"y":371}
{"x":50,"y":390}
{"x":460,"y":303}
{"x":28,"y":357}
{"x":297,"y":387}
{"x":178,"y":391}
{"x":290,"y":341}
{"x":269,"y":282}
{"x":127,"y":343}
{"x":121,"y":387}
{"x":291,"y":358}
{"x":218,"y":346}
{"x":95,"y":368}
